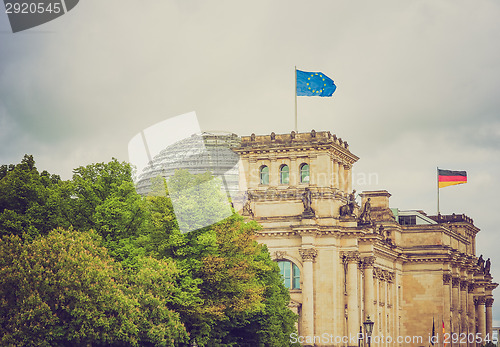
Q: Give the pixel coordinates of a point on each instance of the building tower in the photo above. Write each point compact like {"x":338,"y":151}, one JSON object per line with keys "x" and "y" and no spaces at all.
{"x":343,"y":262}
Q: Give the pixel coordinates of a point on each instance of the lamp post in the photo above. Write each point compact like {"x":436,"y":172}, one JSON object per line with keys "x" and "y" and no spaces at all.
{"x":368,"y":324}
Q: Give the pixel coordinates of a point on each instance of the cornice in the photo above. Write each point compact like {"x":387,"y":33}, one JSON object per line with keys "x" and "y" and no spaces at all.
{"x":262,"y":149}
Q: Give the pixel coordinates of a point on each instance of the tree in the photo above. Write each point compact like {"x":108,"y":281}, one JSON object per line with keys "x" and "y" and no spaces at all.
{"x":64,"y":289}
{"x":29,"y":201}
{"x":244,"y":301}
{"x":104,"y":199}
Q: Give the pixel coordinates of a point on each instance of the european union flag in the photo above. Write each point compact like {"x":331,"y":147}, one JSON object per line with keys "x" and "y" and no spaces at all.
{"x":314,"y":84}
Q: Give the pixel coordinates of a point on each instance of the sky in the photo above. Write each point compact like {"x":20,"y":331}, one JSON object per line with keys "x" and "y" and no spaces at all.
{"x":417,"y":87}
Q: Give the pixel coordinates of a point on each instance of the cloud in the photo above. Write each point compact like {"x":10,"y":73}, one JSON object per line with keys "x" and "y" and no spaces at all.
{"x":417,"y":85}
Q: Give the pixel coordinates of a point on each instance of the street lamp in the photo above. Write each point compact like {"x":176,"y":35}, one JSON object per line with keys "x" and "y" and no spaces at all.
{"x":368,"y":324}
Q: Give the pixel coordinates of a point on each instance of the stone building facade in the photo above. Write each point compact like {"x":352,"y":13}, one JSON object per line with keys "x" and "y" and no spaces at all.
{"x":344,"y":262}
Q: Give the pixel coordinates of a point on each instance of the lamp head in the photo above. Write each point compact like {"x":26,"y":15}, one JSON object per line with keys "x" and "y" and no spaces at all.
{"x":368,"y":324}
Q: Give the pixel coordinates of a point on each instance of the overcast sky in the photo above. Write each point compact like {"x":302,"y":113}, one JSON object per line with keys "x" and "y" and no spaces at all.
{"x":417,"y":87}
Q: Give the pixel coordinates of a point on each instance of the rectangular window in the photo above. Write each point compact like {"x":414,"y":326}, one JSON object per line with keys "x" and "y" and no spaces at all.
{"x":407,"y":220}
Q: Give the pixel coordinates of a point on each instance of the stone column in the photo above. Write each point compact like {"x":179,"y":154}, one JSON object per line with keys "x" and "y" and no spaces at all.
{"x":447,"y":300}
{"x":341,"y":177}
{"x":352,"y":260}
{"x":481,"y":318}
{"x":489,"y":318}
{"x":455,"y":304}
{"x":336,"y":169}
{"x":294,"y":172}
{"x":313,"y":169}
{"x":476,"y":323}
{"x":308,"y":257}
{"x":325,"y":181}
{"x":471,"y":310}
{"x":249,"y":174}
{"x":368,"y":286}
{"x":274,"y":174}
{"x":349,"y":178}
{"x":464,"y":285}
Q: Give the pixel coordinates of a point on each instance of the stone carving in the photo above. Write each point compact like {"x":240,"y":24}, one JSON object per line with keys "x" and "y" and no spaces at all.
{"x":292,"y":134}
{"x":313,"y":133}
{"x":279,"y":255}
{"x":350,"y":257}
{"x":489,"y":302}
{"x":481,"y":300}
{"x":273,"y":136}
{"x":247,"y":210}
{"x":381,"y":230}
{"x":480,"y":262}
{"x":252,"y":137}
{"x":472,"y":286}
{"x":383,"y":275}
{"x":306,"y":200}
{"x":368,"y":262}
{"x":308,"y":254}
{"x":464,"y":285}
{"x":347,"y":210}
{"x":455,"y":281}
{"x":487,"y":267}
{"x":365,"y":217}
{"x":446,"y":278}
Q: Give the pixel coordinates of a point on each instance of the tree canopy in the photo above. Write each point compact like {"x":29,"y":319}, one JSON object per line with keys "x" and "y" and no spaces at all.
{"x":121,"y":271}
{"x":64,"y":288}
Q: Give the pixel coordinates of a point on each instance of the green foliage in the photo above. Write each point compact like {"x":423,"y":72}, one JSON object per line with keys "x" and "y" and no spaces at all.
{"x":103,"y":198}
{"x":64,"y":289}
{"x":150,"y":283}
{"x":28,"y":200}
{"x":244,"y":301}
{"x":198,"y":200}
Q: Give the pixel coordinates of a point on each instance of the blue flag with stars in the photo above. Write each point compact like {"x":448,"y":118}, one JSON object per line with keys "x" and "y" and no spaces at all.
{"x":314,"y":84}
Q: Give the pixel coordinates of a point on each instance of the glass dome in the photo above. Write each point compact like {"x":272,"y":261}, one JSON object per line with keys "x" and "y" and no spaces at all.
{"x":199,"y":153}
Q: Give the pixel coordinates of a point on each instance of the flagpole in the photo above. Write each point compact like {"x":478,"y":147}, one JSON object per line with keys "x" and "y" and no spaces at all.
{"x":296,"y":129}
{"x":437,"y":180}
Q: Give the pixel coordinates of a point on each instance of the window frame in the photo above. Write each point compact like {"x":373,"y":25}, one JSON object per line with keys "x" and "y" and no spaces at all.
{"x":287,"y":172}
{"x":293,"y":279}
{"x":263,"y":174}
{"x":301,"y":171}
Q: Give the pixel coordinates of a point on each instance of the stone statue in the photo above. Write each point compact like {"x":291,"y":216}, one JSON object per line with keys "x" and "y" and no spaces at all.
{"x":480,"y":263}
{"x":365,"y":217}
{"x":487,"y":267}
{"x":306,"y":200}
{"x":348,"y":209}
{"x":247,"y":210}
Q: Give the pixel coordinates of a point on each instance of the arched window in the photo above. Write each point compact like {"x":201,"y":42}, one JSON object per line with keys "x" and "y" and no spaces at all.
{"x":284,"y":174}
{"x":290,"y":273}
{"x":304,"y":173}
{"x":264,"y":175}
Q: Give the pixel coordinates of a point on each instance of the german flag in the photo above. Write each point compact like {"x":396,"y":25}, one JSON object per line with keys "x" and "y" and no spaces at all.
{"x":448,"y":178}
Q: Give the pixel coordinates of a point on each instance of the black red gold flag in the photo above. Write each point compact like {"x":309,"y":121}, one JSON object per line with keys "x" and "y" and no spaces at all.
{"x":448,"y":178}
